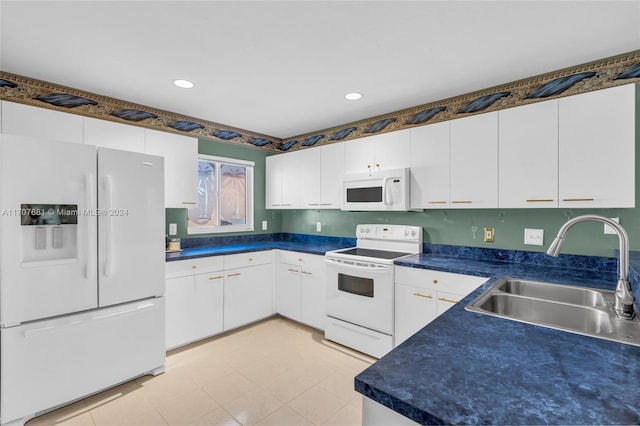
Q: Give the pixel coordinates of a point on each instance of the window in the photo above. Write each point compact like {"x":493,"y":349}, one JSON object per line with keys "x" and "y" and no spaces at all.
{"x":225,"y":196}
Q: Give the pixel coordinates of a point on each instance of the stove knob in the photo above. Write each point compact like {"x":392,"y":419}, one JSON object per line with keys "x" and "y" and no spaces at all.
{"x":367,"y":230}
{"x":413,"y":232}
{"x":406,"y":232}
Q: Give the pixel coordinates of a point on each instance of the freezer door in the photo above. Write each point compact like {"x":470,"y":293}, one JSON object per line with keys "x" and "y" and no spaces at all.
{"x":48,"y":257}
{"x":130,"y":226}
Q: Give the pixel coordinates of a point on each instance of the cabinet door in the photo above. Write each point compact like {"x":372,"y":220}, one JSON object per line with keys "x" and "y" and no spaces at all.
{"x":474,"y":161}
{"x":446,"y":301}
{"x":392,"y":150}
{"x":415,"y":308}
{"x":308,"y":177}
{"x":180,"y":166}
{"x":108,"y":134}
{"x":359,"y":155}
{"x":528,"y":156}
{"x":331,"y":172}
{"x":430,"y":166}
{"x":273,"y":184}
{"x":292,"y":168}
{"x":288,"y":300}
{"x":193,"y":308}
{"x":596,"y":154}
{"x":42,"y":123}
{"x":313,"y":292}
{"x":248,"y":295}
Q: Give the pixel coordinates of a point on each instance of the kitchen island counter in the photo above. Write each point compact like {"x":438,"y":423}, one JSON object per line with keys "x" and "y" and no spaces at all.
{"x":465,"y":367}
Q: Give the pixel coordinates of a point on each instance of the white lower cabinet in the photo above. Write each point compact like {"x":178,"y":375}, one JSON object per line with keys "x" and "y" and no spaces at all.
{"x":194,"y":300}
{"x":248,"y":295}
{"x":301,"y":289}
{"x":421,"y":295}
{"x":210,"y":295}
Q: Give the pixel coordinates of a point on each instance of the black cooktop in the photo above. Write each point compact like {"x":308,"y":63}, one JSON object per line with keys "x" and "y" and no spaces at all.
{"x":380,"y":254}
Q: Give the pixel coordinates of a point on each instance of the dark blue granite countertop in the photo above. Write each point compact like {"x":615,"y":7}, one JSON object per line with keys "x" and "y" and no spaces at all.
{"x":469,"y":368}
{"x":195,"y":252}
{"x":216,"y":246}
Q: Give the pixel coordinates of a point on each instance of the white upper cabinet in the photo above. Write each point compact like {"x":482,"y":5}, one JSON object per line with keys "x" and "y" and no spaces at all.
{"x":42,"y":123}
{"x":293,"y":168}
{"x":109,"y":134}
{"x":273,"y":182}
{"x":528,"y":156}
{"x":306,"y":179}
{"x":321,"y":176}
{"x":474,"y":161}
{"x":597,"y":148}
{"x":430,"y":166}
{"x":384,"y":151}
{"x":180,"y":166}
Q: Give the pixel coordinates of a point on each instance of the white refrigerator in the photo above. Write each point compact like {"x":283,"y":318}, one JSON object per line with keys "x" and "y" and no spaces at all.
{"x":81,"y":272}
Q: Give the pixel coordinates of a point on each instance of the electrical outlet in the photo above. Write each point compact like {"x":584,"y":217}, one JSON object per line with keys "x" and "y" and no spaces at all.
{"x":264,"y":225}
{"x":173,"y":229}
{"x":318,"y":227}
{"x":489,"y":235}
{"x":608,"y":229}
{"x":533,"y":237}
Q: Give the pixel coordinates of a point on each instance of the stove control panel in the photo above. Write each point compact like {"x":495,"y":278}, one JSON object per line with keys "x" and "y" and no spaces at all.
{"x":389,"y":232}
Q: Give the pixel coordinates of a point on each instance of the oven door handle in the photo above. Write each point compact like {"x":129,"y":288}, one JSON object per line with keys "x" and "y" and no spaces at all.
{"x":377,"y":269}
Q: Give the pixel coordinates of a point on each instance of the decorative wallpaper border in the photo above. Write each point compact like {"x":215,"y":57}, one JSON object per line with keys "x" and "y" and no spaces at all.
{"x":601,"y":74}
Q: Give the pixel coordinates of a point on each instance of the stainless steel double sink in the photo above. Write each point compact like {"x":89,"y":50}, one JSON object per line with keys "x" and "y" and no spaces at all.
{"x":575,"y":309}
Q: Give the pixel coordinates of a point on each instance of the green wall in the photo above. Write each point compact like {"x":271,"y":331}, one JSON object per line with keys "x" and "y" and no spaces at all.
{"x":221,"y":149}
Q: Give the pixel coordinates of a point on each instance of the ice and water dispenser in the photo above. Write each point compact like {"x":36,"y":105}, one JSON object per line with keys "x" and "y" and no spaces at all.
{"x":49,"y":233}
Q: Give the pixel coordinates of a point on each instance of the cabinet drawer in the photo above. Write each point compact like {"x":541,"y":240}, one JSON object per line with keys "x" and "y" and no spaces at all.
{"x":181,"y":268}
{"x":436,"y":280}
{"x":242,"y":260}
{"x":301,"y":259}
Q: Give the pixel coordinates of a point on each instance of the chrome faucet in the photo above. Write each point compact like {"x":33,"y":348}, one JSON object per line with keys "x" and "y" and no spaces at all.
{"x":624,"y":297}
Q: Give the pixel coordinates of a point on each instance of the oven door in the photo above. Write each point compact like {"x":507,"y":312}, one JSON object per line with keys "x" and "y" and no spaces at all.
{"x":360,"y":293}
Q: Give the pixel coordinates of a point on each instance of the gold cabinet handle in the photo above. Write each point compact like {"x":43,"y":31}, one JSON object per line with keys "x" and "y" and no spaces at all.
{"x":426,"y":296}
{"x":447,"y":300}
{"x":193,"y":266}
{"x":250,"y":259}
{"x":307,"y":273}
{"x":292,"y":270}
{"x":435,"y":281}
{"x":577,"y":199}
{"x":541,"y":200}
{"x":436,"y":202}
{"x":234,"y":275}
{"x":326,"y":204}
{"x":189,"y":202}
{"x":462,"y":202}
{"x":216,"y":278}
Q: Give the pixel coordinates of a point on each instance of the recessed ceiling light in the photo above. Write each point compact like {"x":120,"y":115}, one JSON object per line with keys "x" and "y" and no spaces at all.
{"x":353,"y":96}
{"x":185,"y":84}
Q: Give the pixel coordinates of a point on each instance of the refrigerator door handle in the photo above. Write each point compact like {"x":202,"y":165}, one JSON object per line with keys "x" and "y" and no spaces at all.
{"x":91,"y":243}
{"x":108,"y":192}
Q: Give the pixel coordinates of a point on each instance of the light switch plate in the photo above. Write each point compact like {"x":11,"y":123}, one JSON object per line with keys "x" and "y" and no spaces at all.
{"x":264,"y":225}
{"x":318,"y":227}
{"x":533,"y":237}
{"x":489,"y":235}
{"x":173,"y":228}
{"x":608,"y":229}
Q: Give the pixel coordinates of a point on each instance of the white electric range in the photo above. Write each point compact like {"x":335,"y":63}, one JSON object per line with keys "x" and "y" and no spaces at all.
{"x":360,"y":286}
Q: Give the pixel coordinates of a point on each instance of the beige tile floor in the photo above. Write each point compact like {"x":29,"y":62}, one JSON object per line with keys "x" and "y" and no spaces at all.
{"x":275,"y":372}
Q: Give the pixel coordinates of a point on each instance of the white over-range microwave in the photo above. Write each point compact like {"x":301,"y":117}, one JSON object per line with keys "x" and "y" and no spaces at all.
{"x":386,"y":190}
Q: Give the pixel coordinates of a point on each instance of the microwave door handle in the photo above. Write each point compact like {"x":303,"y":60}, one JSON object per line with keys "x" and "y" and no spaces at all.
{"x":386,"y":196}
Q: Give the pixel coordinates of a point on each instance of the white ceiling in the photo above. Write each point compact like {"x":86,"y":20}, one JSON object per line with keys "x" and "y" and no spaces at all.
{"x":282,"y":67}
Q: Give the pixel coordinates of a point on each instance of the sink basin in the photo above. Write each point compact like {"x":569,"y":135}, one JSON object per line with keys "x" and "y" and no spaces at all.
{"x":549,"y":313}
{"x":575,"y":309}
{"x":555,"y":292}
